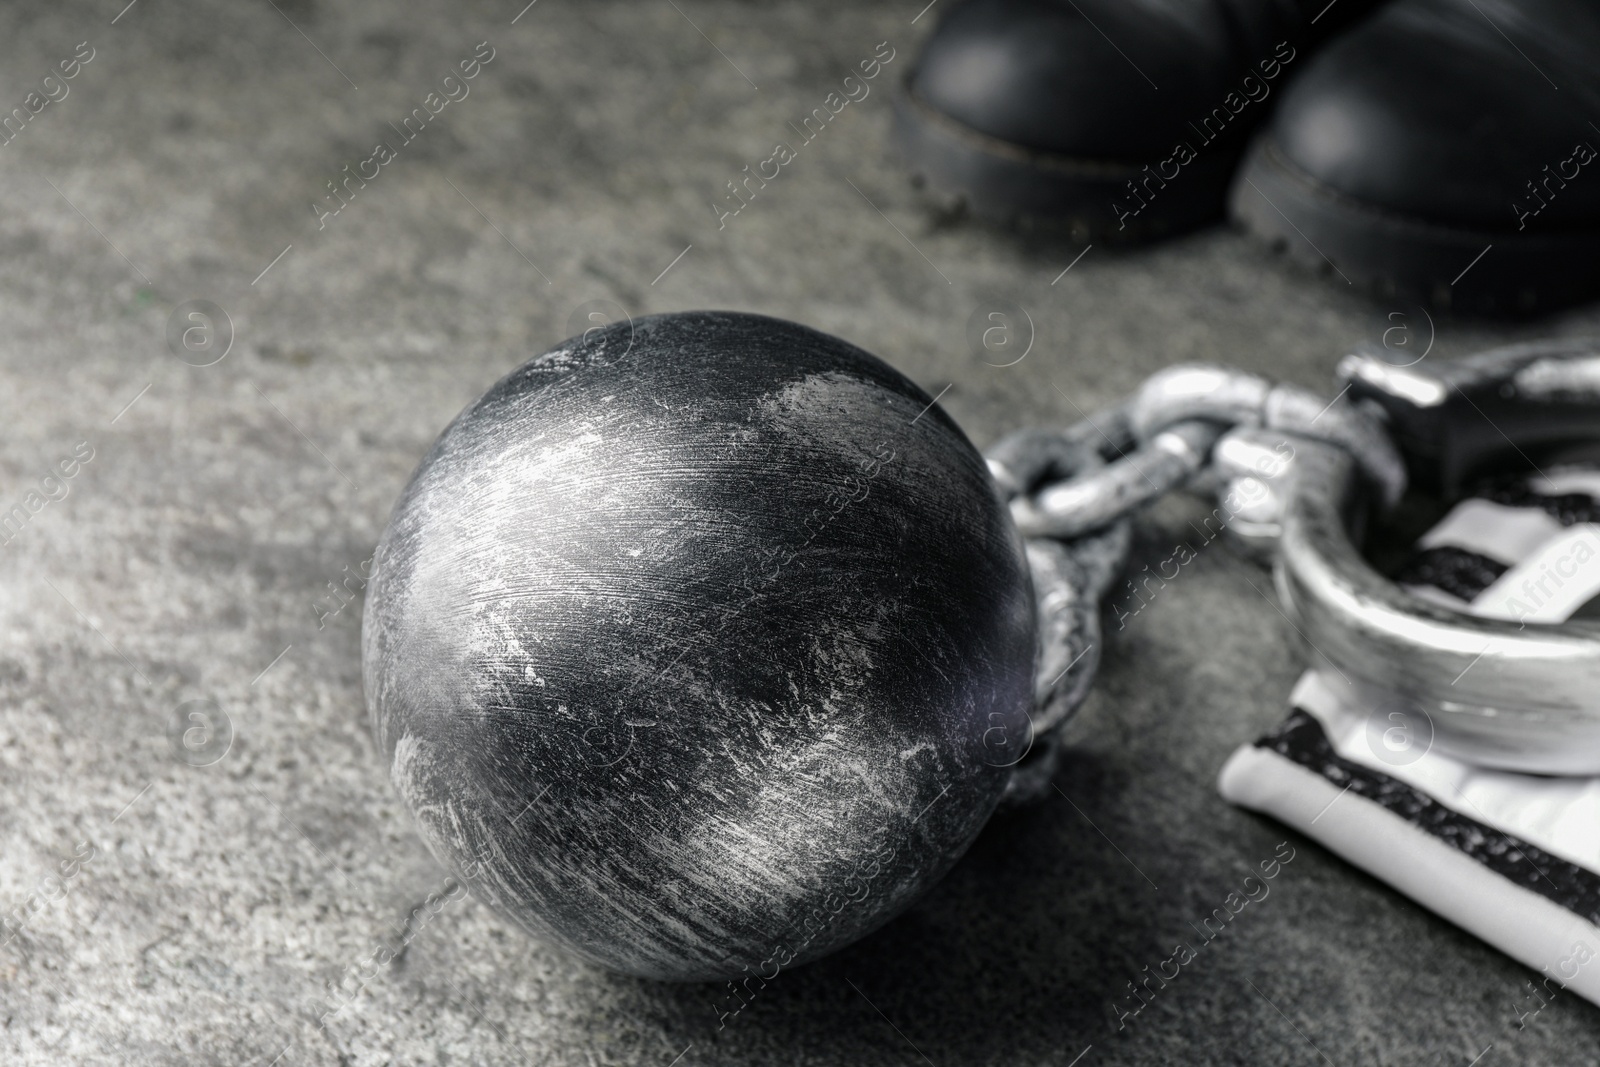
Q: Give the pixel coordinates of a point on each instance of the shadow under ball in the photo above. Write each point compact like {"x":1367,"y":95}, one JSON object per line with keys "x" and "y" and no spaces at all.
{"x":700,"y":645}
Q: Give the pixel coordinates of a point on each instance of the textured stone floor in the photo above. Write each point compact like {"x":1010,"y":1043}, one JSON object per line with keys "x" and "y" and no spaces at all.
{"x":166,"y":913}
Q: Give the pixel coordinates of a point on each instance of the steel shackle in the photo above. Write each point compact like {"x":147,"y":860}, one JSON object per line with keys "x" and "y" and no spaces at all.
{"x":1515,"y":695}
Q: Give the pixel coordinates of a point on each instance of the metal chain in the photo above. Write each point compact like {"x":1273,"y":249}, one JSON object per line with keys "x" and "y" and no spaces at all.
{"x":1072,"y":493}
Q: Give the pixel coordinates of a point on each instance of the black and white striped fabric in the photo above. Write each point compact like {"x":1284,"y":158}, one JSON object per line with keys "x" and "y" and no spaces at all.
{"x":1464,"y":560}
{"x":1511,"y":858}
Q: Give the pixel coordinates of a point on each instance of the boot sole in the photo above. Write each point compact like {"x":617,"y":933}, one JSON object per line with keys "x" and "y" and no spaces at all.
{"x":1017,"y":187}
{"x":1390,"y":255}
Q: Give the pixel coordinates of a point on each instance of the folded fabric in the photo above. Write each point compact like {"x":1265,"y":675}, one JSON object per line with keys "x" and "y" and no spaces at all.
{"x":1512,"y":858}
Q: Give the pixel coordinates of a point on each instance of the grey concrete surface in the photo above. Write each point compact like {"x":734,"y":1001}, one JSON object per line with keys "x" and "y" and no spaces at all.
{"x":173,"y":914}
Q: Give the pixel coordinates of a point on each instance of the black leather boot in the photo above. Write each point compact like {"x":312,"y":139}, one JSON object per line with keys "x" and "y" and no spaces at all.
{"x":1445,"y":151}
{"x":1115,"y":119}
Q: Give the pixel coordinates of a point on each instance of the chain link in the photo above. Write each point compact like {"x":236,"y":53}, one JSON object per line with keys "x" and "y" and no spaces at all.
{"x":1072,"y":494}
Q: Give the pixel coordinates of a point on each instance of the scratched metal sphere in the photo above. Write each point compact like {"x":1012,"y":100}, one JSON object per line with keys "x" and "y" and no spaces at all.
{"x":700,"y":645}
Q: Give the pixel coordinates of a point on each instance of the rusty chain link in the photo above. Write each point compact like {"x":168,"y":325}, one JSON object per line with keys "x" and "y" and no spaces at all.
{"x":1072,"y":494}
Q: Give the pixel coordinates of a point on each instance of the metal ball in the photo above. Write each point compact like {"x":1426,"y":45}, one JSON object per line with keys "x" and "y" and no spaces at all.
{"x":700,"y":645}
